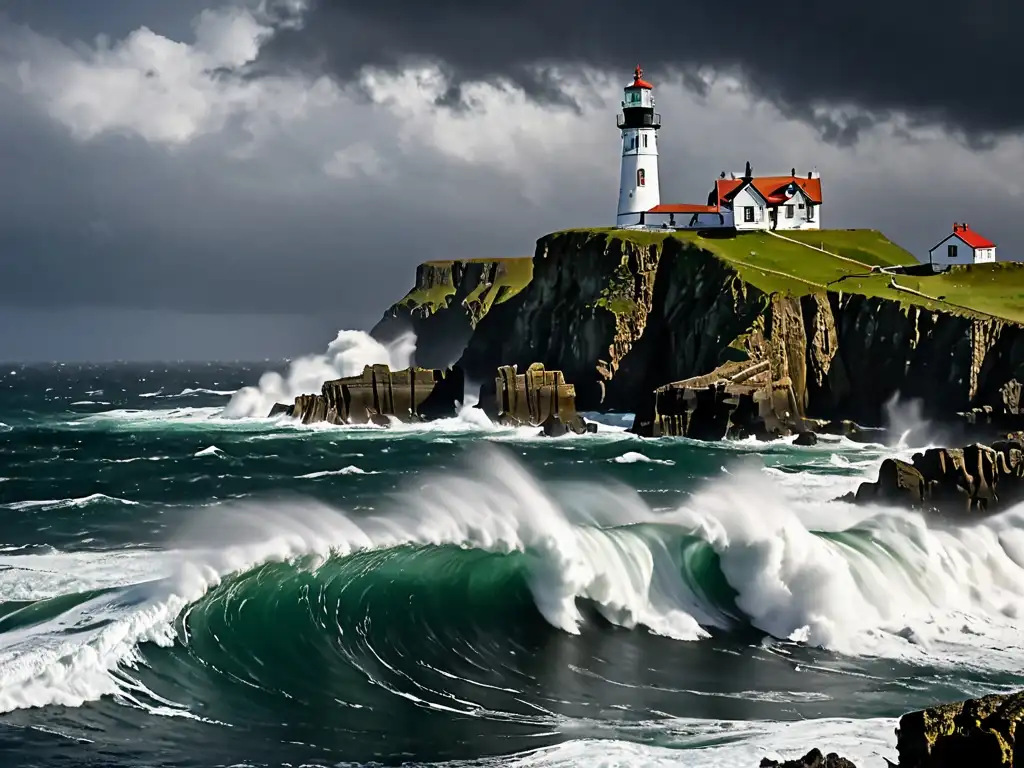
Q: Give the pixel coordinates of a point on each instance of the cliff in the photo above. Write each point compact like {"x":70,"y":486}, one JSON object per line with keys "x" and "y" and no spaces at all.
{"x":625,"y":312}
{"x":447,"y":302}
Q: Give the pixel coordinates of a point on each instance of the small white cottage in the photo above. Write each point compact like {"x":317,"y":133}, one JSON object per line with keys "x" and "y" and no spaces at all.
{"x":963,"y":246}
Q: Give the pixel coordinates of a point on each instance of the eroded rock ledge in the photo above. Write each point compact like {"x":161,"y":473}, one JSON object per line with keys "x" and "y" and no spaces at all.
{"x":969,"y":481}
{"x":413,"y":394}
{"x":536,"y":398}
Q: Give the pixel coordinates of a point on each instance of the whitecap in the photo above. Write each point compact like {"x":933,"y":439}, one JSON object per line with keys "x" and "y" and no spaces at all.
{"x":634,"y":457}
{"x":349,"y":470}
{"x":94,"y":498}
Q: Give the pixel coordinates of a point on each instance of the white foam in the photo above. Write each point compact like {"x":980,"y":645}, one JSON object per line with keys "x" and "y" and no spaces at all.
{"x":347,"y":355}
{"x":211,"y":450}
{"x":716,"y":744}
{"x":349,"y":470}
{"x":93,"y":498}
{"x":188,"y":391}
{"x":633,"y":457}
{"x":852,"y":579}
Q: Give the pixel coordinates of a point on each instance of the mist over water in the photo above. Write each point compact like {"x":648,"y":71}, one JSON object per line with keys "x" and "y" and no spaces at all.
{"x":253,"y":591}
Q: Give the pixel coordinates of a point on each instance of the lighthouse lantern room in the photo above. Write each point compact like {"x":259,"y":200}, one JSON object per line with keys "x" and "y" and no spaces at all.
{"x":639,"y":123}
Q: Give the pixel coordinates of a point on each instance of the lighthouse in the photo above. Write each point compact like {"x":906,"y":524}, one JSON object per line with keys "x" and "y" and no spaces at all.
{"x":639,"y":124}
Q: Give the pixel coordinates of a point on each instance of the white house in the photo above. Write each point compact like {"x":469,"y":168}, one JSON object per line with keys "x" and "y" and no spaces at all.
{"x":963,"y":246}
{"x":771,"y":202}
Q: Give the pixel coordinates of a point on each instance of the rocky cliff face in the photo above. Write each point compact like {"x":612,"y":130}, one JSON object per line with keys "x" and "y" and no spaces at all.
{"x":622,"y":317}
{"x":447,"y":302}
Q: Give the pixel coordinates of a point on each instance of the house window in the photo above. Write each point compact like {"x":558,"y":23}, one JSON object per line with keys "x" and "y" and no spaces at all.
{"x":801,"y":206}
{"x":641,"y":178}
{"x":790,"y":210}
{"x":748,"y":213}
{"x":810,"y":213}
{"x":951,"y":252}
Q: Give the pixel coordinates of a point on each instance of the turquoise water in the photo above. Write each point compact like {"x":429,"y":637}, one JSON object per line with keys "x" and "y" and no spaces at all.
{"x":182,"y":588}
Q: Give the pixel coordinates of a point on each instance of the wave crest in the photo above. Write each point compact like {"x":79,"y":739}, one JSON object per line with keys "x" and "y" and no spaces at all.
{"x":738,"y":554}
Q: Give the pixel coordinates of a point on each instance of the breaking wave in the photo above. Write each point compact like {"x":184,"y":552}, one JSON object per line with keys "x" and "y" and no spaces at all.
{"x":277,"y":596}
{"x":347,"y":355}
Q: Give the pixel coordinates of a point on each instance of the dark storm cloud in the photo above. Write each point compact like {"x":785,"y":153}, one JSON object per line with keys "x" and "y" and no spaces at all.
{"x":948,"y":62}
{"x":85,"y":19}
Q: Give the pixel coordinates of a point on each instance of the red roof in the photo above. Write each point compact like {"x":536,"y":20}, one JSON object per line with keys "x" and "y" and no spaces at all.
{"x":971,"y":237}
{"x":772,"y":188}
{"x":683,"y":208}
{"x":638,"y":81}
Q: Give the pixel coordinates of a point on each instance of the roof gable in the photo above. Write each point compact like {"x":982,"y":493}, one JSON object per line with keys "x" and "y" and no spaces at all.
{"x":773,"y":189}
{"x":967,"y":236}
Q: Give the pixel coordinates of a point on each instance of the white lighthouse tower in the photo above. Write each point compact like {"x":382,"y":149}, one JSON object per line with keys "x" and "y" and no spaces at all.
{"x":638,"y":185}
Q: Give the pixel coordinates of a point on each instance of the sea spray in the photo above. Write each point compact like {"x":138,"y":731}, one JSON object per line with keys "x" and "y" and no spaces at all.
{"x":846,"y":578}
{"x":347,"y":355}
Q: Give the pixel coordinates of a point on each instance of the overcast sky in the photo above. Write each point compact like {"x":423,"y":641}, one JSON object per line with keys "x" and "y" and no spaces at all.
{"x":200,"y":180}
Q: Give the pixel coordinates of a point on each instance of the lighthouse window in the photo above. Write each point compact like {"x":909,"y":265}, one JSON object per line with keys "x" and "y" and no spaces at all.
{"x":641,"y":178}
{"x":645,"y":139}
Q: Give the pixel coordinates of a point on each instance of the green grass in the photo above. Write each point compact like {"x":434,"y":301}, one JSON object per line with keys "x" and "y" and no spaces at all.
{"x":515,"y":275}
{"x":868,"y":246}
{"x":777,"y":266}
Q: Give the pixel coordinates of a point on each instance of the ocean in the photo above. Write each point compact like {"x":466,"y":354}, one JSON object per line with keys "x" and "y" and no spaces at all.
{"x":184,"y":586}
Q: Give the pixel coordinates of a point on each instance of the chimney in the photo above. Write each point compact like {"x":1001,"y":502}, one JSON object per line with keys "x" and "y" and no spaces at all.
{"x":810,"y":174}
{"x":792,"y":171}
{"x":748,"y":173}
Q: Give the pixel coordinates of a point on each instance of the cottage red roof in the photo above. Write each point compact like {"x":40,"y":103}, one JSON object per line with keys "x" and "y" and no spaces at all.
{"x":683,"y":208}
{"x":638,"y":81}
{"x":772,"y":188}
{"x":971,"y":237}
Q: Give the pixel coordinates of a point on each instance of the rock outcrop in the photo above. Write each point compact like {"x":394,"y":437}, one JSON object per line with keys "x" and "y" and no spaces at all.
{"x":980,"y":733}
{"x":625,"y":314}
{"x":379,"y":394}
{"x":973,"y":480}
{"x":447,"y":302}
{"x":535,"y":398}
{"x":813,"y":759}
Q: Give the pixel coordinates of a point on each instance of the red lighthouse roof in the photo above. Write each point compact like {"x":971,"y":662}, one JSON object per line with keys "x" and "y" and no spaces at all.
{"x":638,"y":81}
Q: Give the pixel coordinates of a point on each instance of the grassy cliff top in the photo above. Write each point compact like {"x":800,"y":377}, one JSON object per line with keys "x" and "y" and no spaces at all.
{"x":842,"y":260}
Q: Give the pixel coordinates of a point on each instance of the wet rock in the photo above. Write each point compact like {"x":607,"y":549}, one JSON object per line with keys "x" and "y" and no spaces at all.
{"x":379,"y":394}
{"x":980,"y":733}
{"x":852,"y":431}
{"x":813,"y":759}
{"x":973,"y":480}
{"x":535,"y":398}
{"x":806,"y":439}
{"x":735,"y":401}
